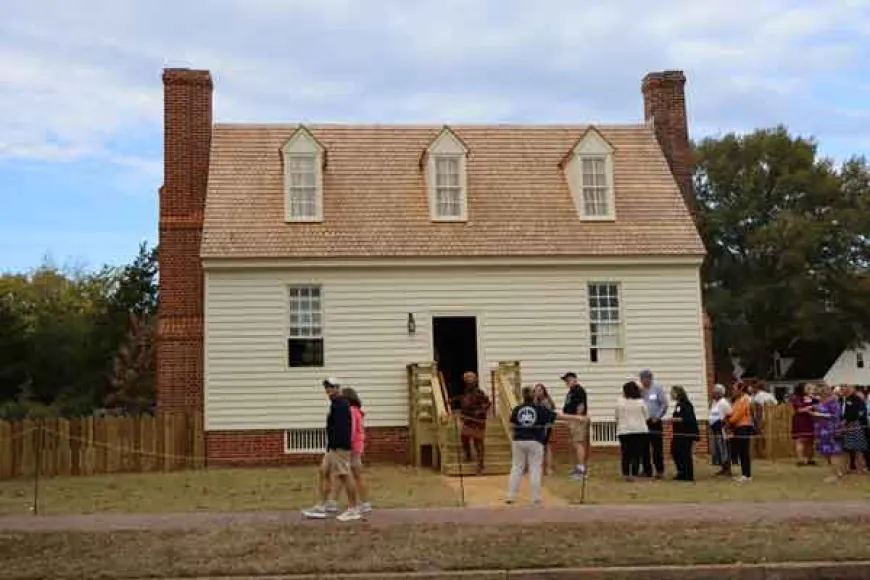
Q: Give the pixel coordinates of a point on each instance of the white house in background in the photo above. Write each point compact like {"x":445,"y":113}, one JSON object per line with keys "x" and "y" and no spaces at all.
{"x":852,"y":367}
{"x":355,"y":250}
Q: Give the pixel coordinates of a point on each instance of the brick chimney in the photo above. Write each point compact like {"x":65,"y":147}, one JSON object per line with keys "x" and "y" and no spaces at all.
{"x":187,"y":129}
{"x":664,"y":103}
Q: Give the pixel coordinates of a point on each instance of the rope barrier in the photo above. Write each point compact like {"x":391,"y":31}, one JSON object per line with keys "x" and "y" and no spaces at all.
{"x":247,"y":458}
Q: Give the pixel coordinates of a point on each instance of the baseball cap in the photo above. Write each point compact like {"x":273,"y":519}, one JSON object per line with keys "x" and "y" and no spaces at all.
{"x":569,"y":375}
{"x":331,"y":382}
{"x":646,"y":374}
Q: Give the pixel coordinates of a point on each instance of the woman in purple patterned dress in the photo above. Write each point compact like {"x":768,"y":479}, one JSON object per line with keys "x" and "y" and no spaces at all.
{"x":828,"y":435}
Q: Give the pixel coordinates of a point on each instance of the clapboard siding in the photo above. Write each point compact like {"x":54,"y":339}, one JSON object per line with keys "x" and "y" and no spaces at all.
{"x":535,"y":315}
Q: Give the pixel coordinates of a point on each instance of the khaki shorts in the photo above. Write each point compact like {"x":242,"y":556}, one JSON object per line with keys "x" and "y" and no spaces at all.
{"x":579,"y":432}
{"x":356,"y":460}
{"x":336,"y":462}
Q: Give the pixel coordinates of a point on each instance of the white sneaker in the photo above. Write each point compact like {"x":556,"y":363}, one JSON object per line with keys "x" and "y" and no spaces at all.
{"x":742,"y":479}
{"x":317,"y":512}
{"x":365,"y":508}
{"x":350,"y":515}
{"x":331,"y":507}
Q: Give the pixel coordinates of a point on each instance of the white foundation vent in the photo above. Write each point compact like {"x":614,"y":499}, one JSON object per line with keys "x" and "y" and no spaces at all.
{"x":304,"y":440}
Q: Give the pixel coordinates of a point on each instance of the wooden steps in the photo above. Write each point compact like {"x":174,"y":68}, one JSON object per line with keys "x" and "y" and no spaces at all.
{"x":497,"y":459}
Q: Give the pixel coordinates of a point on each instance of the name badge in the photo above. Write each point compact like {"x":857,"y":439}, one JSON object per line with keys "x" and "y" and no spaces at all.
{"x":653,"y":397}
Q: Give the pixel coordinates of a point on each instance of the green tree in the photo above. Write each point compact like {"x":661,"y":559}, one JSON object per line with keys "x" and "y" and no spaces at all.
{"x":61,"y":331}
{"x":786,"y":235}
{"x":132,"y":381}
{"x":14,"y":349}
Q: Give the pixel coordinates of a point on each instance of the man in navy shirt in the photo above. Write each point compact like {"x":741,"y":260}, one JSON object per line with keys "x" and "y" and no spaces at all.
{"x":575,"y":404}
{"x":530,"y":422}
{"x":336,"y":461}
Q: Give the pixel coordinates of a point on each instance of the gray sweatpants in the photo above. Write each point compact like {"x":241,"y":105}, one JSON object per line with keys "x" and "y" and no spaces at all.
{"x":531,"y":454}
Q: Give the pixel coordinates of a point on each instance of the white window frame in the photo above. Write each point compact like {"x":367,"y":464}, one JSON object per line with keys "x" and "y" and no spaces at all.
{"x":313,"y":189}
{"x":305,"y":320}
{"x":859,"y":360}
{"x":447,"y":146}
{"x":440,"y":189}
{"x":603,"y":315}
{"x":595,"y":190}
{"x":303,"y":146}
{"x":591,"y":147}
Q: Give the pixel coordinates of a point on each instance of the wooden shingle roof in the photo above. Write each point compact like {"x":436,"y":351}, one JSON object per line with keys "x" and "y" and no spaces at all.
{"x":375,"y":198}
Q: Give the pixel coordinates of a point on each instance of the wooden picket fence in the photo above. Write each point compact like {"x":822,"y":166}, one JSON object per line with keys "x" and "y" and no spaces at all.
{"x":98,"y":445}
{"x":775,"y":440}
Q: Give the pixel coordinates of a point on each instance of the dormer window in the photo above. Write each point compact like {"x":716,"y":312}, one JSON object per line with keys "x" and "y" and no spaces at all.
{"x":302,"y":186}
{"x":596,"y":186}
{"x":446,"y":178}
{"x":304,"y":160}
{"x":448,"y":190}
{"x":589,"y":170}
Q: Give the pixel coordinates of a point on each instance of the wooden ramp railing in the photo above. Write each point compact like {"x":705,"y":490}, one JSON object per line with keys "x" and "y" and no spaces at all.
{"x":428,"y":412}
{"x":434,"y":428}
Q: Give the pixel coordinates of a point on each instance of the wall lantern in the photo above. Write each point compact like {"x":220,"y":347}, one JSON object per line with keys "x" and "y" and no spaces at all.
{"x":412,"y":324}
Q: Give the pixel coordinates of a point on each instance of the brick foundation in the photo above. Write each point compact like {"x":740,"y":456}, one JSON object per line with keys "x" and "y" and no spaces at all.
{"x":253,"y":448}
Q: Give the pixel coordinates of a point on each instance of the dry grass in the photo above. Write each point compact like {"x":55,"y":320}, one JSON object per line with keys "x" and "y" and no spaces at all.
{"x":293,"y":488}
{"x":214,"y":490}
{"x":360,"y":548}
{"x":772,"y":481}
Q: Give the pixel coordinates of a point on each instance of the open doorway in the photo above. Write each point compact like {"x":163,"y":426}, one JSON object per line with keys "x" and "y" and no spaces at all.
{"x":455,"y":347}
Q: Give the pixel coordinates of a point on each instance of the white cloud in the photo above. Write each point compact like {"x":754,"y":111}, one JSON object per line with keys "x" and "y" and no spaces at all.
{"x":79,"y":78}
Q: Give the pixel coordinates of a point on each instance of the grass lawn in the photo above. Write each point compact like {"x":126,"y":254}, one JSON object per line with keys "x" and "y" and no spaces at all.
{"x":771,"y":481}
{"x":359,"y":548}
{"x":294,"y":488}
{"x":214,"y":490}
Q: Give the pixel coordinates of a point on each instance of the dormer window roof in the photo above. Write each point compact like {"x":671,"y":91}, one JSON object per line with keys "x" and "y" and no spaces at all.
{"x":445,"y":165}
{"x":588,"y":168}
{"x":304,"y":160}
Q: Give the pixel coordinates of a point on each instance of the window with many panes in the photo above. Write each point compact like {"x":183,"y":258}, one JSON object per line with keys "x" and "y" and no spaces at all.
{"x":596,"y":188}
{"x":605,"y":322}
{"x":302,"y":187}
{"x":305,"y":339}
{"x":448,"y":187}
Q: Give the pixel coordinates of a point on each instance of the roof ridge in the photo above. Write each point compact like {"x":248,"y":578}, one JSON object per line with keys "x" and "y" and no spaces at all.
{"x":433,"y":125}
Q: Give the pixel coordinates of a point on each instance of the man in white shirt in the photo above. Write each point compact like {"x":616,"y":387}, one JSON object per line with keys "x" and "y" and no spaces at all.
{"x":762,"y":396}
{"x":720,"y":408}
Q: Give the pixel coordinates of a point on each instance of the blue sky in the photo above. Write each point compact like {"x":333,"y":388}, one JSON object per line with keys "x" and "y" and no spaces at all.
{"x":80,"y":92}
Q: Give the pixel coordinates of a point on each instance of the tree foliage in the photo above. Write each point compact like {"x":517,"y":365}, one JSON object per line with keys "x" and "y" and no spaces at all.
{"x":60,"y":333}
{"x":787,"y":240}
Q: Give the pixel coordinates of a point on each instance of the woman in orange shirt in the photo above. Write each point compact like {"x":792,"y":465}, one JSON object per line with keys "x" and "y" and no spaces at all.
{"x":740,"y":422}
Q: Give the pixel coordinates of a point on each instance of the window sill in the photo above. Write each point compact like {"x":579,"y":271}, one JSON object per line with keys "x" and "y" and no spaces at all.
{"x":301,"y":220}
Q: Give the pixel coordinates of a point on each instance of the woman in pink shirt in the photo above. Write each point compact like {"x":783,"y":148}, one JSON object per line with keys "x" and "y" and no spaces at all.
{"x":357,"y":444}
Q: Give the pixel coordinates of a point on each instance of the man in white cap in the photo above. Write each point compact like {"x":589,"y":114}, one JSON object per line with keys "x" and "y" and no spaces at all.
{"x":336,"y":460}
{"x":576,"y":404}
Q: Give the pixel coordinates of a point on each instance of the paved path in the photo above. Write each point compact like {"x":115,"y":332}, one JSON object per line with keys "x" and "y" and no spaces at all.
{"x":732,"y":512}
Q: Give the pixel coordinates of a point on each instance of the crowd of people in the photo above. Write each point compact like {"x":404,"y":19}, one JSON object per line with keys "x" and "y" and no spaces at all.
{"x":830,"y":422}
{"x":833,"y":422}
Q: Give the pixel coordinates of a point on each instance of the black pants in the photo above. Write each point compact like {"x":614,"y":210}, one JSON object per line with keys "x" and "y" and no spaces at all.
{"x":742,"y":445}
{"x":655,"y":444}
{"x":681,"y":451}
{"x":631,"y":447}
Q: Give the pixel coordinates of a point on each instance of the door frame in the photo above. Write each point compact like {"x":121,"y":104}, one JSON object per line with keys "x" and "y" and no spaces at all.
{"x":482,"y":364}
